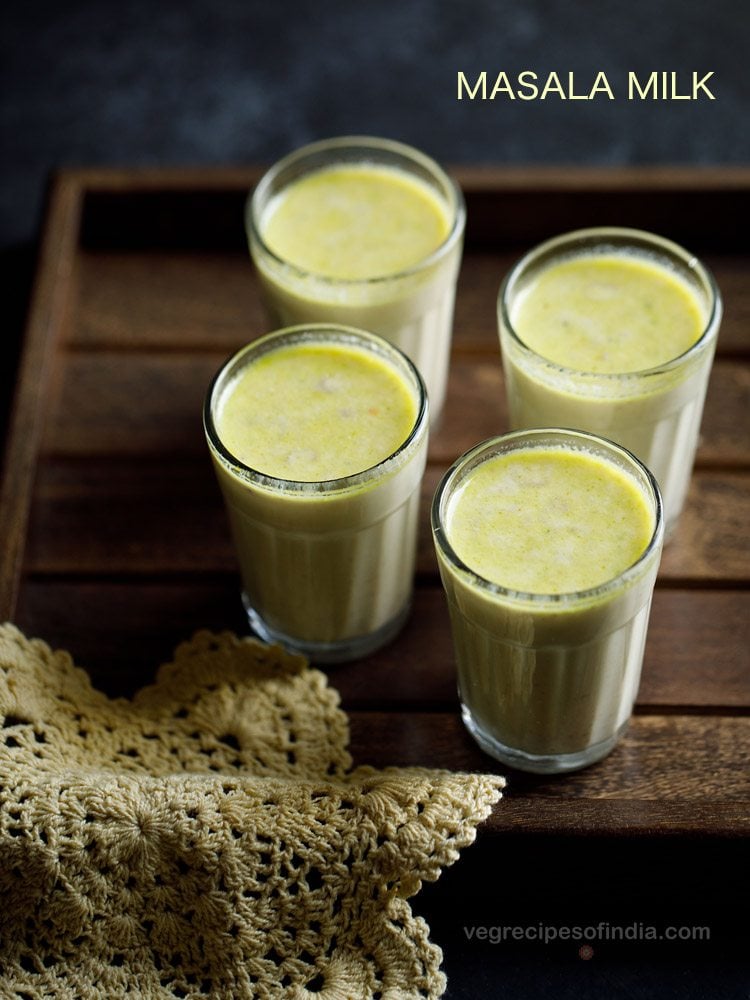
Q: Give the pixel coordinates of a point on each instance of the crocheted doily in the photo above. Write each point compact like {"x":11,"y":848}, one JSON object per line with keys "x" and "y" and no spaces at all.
{"x":208,"y":838}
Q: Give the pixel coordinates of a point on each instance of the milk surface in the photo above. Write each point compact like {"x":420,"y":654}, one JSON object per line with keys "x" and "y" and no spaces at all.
{"x":549,"y":521}
{"x":311,"y":412}
{"x":608,"y":313}
{"x":355,"y":222}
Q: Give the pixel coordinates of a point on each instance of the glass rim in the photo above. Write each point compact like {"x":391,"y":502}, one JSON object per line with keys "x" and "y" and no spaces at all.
{"x":312,"y":332}
{"x":637,"y":238}
{"x":495,"y":445}
{"x":365,"y":143}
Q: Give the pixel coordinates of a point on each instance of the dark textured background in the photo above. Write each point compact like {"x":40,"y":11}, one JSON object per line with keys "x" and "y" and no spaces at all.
{"x":234,"y":82}
{"x":244,"y":81}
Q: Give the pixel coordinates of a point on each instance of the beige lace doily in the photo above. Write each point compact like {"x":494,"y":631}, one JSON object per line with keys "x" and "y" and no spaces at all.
{"x":208,"y":838}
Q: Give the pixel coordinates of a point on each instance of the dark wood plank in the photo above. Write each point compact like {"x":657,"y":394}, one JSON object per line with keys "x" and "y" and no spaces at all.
{"x":36,"y":368}
{"x":148,"y":514}
{"x":725,"y":428}
{"x":135,"y":516}
{"x":644,"y":785}
{"x":530,"y":206}
{"x":134,"y":404}
{"x":711,"y":544}
{"x":202,"y":300}
{"x":203,"y":207}
{"x":697,"y":650}
{"x":730,"y":272}
{"x":112,"y":403}
{"x":476,"y":408}
{"x":712,"y":541}
{"x":170,"y":300}
{"x":697,"y":653}
{"x":120,"y":632}
{"x":654,"y":818}
{"x":151,"y":403}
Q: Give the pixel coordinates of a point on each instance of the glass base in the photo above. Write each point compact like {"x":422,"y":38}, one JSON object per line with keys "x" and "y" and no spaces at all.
{"x":557,"y":763}
{"x":343,"y":651}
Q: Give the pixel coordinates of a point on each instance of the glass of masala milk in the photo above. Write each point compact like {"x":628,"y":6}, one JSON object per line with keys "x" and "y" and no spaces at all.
{"x":318,"y":435}
{"x":548,"y":543}
{"x":613,"y":331}
{"x":365,"y":232}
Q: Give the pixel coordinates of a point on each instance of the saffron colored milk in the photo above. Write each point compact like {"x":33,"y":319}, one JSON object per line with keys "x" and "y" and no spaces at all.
{"x":319,"y":438}
{"x":365,"y":233}
{"x":548,"y":544}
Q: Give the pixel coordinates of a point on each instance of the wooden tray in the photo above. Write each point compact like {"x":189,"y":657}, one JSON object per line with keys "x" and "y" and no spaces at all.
{"x":115,"y":544}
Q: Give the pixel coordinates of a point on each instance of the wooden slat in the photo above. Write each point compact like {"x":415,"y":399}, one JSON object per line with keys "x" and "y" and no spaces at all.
{"x":151,"y":403}
{"x":134,"y":404}
{"x":730,"y":272}
{"x":621,"y":817}
{"x":528,"y":213}
{"x":18,"y":456}
{"x":152,"y":515}
{"x":135,"y":516}
{"x":121,"y":632}
{"x":568,"y":179}
{"x":712,"y":541}
{"x":180,"y":301}
{"x":579,"y":180}
{"x":646,"y":782}
{"x":175,"y":299}
{"x":476,"y":408}
{"x":697,"y":652}
{"x":725,"y":428}
{"x":520,"y":205}
{"x":710,"y":545}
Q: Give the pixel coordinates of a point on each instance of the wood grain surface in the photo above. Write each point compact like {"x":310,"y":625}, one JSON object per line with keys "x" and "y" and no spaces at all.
{"x":114,"y":540}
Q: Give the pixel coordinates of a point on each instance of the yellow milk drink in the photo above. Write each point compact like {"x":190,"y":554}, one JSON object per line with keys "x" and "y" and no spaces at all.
{"x":318,"y":436}
{"x":548,"y":544}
